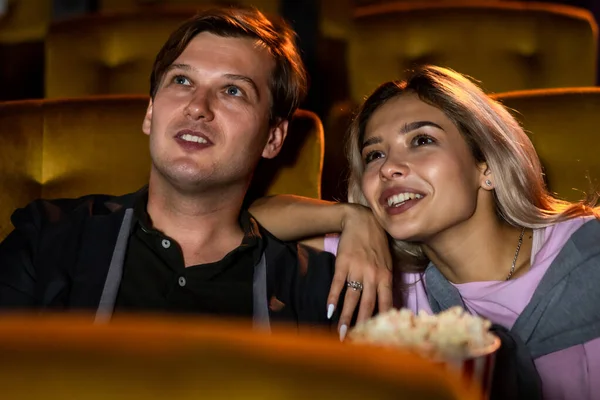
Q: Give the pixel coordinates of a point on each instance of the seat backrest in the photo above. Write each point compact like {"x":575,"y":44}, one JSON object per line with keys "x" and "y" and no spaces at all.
{"x":563,"y":125}
{"x":21,"y":142}
{"x":507,"y":45}
{"x":25,"y":20}
{"x":112,"y":52}
{"x":270,"y":6}
{"x":109,"y":53}
{"x":68,"y":148}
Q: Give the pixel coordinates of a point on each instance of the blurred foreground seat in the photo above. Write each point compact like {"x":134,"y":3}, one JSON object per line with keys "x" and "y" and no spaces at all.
{"x":65,"y":357}
{"x":563,"y":125}
{"x":71,"y":147}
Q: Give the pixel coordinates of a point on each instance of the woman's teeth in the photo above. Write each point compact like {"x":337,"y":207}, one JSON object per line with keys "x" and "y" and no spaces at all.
{"x":398,"y":199}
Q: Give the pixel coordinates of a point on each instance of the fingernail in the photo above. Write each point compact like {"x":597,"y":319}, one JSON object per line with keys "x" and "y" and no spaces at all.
{"x":330,"y":309}
{"x":343,"y":330}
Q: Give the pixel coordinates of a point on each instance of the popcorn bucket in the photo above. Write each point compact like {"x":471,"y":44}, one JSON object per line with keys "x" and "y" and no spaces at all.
{"x":453,"y":340}
{"x":478,"y":369}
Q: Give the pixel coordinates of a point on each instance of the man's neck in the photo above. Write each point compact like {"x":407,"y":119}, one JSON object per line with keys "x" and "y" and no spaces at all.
{"x":205,"y":224}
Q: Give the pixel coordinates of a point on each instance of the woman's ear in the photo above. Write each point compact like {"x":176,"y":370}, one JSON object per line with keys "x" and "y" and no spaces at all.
{"x":486,"y":177}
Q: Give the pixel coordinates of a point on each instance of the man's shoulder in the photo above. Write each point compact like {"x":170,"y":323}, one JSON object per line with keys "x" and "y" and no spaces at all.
{"x":43,"y":211}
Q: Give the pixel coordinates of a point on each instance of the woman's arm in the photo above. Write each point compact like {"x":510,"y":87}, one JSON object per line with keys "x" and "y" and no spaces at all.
{"x":290,"y":217}
{"x":363,"y":253}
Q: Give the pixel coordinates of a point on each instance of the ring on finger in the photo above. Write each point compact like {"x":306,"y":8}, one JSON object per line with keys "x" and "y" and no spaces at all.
{"x":355,"y":285}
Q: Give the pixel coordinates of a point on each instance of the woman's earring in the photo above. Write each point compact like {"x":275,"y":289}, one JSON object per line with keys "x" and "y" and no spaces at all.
{"x":488,"y":182}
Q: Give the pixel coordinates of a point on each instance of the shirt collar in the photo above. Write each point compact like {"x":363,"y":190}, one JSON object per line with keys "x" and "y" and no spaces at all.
{"x":252,"y":235}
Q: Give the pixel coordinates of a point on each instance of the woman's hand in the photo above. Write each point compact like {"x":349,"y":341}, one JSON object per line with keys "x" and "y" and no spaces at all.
{"x":363,"y":256}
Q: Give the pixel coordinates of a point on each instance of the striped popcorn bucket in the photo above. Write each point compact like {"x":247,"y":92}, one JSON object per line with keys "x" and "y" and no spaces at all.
{"x":478,"y":369}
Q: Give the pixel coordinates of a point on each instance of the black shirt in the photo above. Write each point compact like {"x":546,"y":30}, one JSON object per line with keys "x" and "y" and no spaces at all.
{"x":155,"y":277}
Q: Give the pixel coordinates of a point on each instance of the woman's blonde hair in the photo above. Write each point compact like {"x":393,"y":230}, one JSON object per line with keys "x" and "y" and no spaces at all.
{"x":493,"y":136}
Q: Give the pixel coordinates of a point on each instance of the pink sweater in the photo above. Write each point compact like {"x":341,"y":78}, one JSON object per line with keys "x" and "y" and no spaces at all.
{"x":572,"y":373}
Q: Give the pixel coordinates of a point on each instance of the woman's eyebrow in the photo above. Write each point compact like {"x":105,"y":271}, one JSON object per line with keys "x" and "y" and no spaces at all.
{"x":370,"y":141}
{"x":418,"y":124}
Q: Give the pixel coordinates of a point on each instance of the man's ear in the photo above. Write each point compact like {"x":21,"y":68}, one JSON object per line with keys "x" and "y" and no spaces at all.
{"x":277,"y":135}
{"x":147,"y":124}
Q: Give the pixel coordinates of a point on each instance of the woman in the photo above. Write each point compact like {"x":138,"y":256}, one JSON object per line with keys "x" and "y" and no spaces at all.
{"x":457,"y":184}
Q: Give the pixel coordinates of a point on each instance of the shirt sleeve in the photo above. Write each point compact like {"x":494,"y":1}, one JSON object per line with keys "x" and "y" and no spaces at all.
{"x":581,"y":381}
{"x":331,"y":243}
{"x":17,"y":272}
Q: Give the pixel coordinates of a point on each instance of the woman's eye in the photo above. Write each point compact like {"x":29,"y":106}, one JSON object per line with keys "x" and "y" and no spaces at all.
{"x":181,"y":80}
{"x":422,"y":140}
{"x":233,"y":91}
{"x":373,"y":155}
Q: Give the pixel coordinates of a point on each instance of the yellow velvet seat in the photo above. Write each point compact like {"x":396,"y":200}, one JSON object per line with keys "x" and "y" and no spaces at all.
{"x":68,"y":148}
{"x":507,"y":45}
{"x":563,"y":126}
{"x":269,"y":6}
{"x":108,"y":53}
{"x":22,"y":31}
{"x":25,"y":21}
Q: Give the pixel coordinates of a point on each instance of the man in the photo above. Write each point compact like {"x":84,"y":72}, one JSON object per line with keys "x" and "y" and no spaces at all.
{"x":223,"y":89}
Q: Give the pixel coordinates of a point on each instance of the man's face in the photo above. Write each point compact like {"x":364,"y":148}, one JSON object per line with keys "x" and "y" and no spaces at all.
{"x":209,"y":120}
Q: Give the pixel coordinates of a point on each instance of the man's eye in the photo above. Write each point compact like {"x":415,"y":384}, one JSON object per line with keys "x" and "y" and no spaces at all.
{"x":422,"y":140}
{"x":181,"y":80}
{"x":373,"y":155}
{"x":233,"y":91}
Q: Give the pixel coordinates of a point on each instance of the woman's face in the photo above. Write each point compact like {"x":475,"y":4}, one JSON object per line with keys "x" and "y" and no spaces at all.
{"x":420,"y":177}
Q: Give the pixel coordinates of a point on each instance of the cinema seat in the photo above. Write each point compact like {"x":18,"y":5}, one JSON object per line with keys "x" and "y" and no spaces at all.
{"x":563,"y":126}
{"x":71,"y":147}
{"x":107,"y":53}
{"x":507,"y":45}
{"x":152,"y":358}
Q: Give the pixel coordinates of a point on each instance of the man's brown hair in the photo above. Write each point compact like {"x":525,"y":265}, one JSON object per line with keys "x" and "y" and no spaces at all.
{"x":288,"y":80}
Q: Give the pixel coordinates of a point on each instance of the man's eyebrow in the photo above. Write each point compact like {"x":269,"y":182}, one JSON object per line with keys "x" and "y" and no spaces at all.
{"x":248,"y":80}
{"x":185,"y":67}
{"x":233,"y":77}
{"x":418,"y":124}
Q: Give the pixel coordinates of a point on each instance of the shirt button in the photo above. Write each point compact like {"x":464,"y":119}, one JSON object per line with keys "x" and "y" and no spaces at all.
{"x":182,"y":281}
{"x":166,"y":243}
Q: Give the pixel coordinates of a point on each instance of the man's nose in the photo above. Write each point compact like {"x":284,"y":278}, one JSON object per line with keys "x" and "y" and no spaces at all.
{"x":200,"y":106}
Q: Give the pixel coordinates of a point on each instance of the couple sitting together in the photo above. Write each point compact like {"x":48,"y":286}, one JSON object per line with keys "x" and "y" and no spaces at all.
{"x":445,"y":190}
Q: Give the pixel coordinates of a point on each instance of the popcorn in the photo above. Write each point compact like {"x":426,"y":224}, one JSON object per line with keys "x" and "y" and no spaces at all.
{"x":451,"y":334}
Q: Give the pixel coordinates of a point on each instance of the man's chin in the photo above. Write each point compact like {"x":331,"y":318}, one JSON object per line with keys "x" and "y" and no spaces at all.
{"x":186,"y":180}
{"x":193,"y":182}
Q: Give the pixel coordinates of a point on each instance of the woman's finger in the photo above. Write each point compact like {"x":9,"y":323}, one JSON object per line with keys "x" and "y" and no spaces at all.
{"x":385,"y":295}
{"x":367,"y":301}
{"x":350,"y":302}
{"x":337,"y":285}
